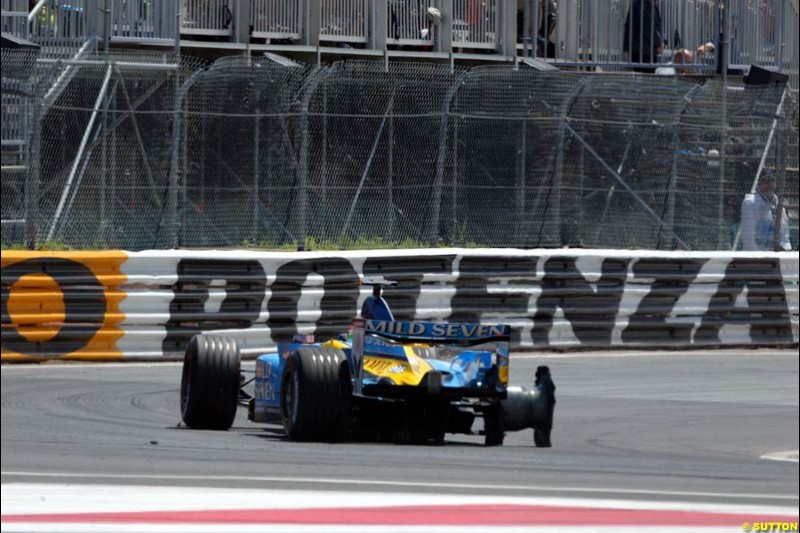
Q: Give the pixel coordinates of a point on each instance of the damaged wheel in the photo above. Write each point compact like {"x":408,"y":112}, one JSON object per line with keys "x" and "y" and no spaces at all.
{"x":544,"y":382}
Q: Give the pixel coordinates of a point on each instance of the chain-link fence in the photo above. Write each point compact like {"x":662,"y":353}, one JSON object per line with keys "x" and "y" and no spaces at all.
{"x":141,"y":151}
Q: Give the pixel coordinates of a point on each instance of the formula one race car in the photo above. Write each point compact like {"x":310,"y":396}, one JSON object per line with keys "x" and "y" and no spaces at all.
{"x":407,"y":381}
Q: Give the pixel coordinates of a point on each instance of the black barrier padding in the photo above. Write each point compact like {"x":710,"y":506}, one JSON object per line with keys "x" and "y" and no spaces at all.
{"x":85,"y":305}
{"x":408,"y":272}
{"x":672,"y":279}
{"x":472,"y":299}
{"x":245,"y":283}
{"x":338,"y":304}
{"x":767,"y":312}
{"x":592,"y":313}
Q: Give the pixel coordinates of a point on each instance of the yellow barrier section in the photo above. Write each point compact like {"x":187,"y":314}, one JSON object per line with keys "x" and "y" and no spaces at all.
{"x":62,"y":305}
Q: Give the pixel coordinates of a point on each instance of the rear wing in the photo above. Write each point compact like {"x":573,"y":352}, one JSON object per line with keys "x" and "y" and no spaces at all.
{"x":430,"y":333}
{"x":438,"y":332}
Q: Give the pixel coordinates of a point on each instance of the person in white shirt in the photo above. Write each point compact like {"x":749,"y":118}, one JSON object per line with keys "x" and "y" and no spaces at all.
{"x":680,"y":57}
{"x":759,"y":215}
{"x":683,"y":57}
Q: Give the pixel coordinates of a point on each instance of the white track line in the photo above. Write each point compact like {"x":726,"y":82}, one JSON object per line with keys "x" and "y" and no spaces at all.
{"x":402,"y":484}
{"x":790,"y":456}
{"x":27,"y":498}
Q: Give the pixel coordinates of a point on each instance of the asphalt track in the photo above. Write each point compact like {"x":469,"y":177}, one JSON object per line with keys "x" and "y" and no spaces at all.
{"x":670,"y":426}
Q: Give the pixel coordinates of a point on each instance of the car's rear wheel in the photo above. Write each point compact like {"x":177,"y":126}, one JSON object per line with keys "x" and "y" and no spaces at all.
{"x":316,"y":395}
{"x":493,"y":425}
{"x":210,"y":382}
{"x":541,"y":434}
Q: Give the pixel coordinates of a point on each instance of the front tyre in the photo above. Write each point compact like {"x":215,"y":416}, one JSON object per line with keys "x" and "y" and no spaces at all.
{"x":210,"y":382}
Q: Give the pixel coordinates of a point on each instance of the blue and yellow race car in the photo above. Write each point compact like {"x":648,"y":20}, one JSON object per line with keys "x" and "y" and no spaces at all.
{"x":395,"y":380}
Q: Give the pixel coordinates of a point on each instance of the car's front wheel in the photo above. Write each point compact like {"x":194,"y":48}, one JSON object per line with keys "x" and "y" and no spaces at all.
{"x":210,"y":382}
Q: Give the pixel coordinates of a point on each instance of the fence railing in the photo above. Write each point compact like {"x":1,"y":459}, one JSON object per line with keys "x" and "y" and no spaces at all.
{"x":591,"y":34}
{"x":276,"y":19}
{"x":766,"y":34}
{"x":475,"y":23}
{"x":14,"y":17}
{"x":61,"y":27}
{"x":143,"y":20}
{"x":344,"y":21}
{"x":206,"y":17}
{"x":619,"y":32}
{"x":408,"y":22}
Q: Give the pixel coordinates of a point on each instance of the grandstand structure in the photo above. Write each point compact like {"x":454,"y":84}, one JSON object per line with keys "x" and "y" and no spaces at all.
{"x":118,"y":119}
{"x":586,"y":34}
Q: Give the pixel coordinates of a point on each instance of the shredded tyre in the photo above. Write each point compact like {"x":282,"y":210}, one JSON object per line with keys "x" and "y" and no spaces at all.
{"x":541,"y":434}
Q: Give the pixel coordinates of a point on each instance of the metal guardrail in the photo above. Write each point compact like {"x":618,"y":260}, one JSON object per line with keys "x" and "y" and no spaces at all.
{"x":606,"y":34}
{"x":766,"y":34}
{"x":475,"y":23}
{"x":276,"y":19}
{"x":618,"y":32}
{"x":14,"y":18}
{"x":344,"y":21}
{"x":111,"y":305}
{"x":143,"y":20}
{"x":61,"y":27}
{"x":409,"y":23}
{"x":206,"y":17}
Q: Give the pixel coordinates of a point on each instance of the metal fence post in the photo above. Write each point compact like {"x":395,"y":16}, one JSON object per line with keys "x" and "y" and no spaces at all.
{"x":377,"y":29}
{"x":507,"y":43}
{"x":781,"y":164}
{"x":68,"y":187}
{"x":441,"y":160}
{"x":312,"y":22}
{"x":34,"y":179}
{"x":725,"y":42}
{"x":669,"y":219}
{"x":241,"y":22}
{"x":444,"y":41}
{"x":779,"y":45}
{"x":521,"y":180}
{"x":256,"y":168}
{"x":181,"y":96}
{"x":454,"y":193}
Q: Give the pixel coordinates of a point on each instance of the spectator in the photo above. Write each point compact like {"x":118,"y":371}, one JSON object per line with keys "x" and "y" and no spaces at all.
{"x":643,"y":39}
{"x":683,"y":57}
{"x":759,"y":214}
{"x":545,"y":44}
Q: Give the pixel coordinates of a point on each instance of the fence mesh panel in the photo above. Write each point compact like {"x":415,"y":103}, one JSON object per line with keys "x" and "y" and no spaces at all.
{"x":99,"y":142}
{"x":137,"y":150}
{"x":241,"y":153}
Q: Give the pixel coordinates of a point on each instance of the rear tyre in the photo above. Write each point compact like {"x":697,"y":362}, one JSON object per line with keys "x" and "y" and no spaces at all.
{"x":541,"y":434}
{"x":210,"y":382}
{"x":437,"y":421}
{"x":493,"y":425}
{"x":316,"y":395}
